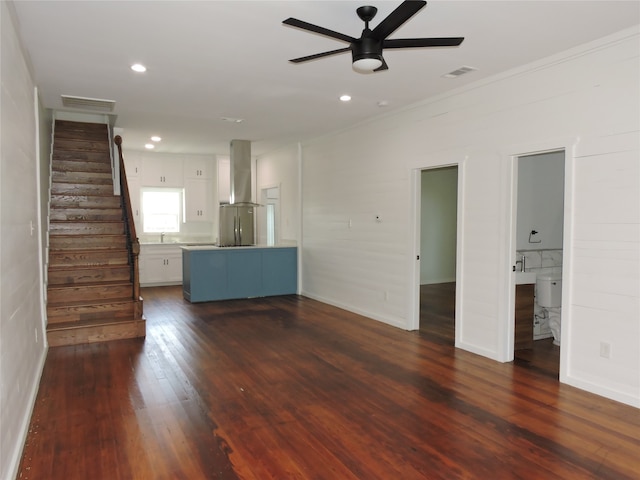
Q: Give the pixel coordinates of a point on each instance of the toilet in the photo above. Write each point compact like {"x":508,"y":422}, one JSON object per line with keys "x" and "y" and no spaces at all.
{"x":549,"y":297}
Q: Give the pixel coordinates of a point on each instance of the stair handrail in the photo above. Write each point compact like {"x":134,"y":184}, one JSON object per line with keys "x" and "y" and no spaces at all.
{"x":131,"y":227}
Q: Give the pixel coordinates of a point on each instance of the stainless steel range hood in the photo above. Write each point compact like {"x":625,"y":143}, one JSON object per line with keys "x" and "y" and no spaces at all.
{"x":240,"y":191}
{"x":237,"y":218}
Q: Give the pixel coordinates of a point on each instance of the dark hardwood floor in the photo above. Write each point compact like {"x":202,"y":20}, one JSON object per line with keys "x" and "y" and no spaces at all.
{"x":290,"y":388}
{"x":437,"y":310}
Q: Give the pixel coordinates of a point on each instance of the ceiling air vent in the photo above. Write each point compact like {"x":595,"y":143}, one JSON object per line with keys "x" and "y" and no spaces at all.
{"x":88,"y":103}
{"x":460,"y":71}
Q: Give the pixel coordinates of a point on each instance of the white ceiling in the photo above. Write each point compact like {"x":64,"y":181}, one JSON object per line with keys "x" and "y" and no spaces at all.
{"x":212,"y":59}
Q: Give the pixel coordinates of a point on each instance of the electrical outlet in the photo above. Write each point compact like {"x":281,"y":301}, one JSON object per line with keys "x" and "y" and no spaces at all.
{"x":605,"y":350}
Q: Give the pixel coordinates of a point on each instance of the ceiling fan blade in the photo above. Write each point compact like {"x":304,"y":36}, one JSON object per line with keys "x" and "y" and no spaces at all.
{"x":320,"y":55}
{"x":404,"y":12}
{"x":382,"y":67}
{"x":294,"y":22}
{"x":422,"y":42}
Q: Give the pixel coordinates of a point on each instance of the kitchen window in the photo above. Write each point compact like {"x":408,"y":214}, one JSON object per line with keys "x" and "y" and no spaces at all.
{"x":161,"y":210}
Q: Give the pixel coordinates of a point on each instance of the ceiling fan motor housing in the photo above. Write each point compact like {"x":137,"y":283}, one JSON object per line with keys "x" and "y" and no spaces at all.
{"x":366,"y":47}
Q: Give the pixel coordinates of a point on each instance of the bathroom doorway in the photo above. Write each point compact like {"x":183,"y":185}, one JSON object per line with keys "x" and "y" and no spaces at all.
{"x":438,"y":244}
{"x":539,"y":254}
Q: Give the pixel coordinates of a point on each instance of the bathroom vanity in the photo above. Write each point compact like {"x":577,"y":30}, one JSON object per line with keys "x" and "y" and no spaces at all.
{"x":525,"y":302}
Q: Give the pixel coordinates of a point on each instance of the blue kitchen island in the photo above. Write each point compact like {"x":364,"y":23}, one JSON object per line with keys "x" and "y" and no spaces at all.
{"x":221,"y":273}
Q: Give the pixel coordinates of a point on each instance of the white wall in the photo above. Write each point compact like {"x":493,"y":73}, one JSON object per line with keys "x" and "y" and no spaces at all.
{"x":540,"y":201}
{"x":21,"y":316}
{"x":586,"y":99}
{"x":438,"y":222}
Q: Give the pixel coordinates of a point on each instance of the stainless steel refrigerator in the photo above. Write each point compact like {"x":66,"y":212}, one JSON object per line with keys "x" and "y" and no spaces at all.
{"x":236,"y":225}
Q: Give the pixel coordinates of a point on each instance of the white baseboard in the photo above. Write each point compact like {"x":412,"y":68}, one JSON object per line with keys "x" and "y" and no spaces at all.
{"x":24,"y":427}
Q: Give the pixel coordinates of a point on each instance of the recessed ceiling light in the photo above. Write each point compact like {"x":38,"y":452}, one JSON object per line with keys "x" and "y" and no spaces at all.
{"x":345,"y":98}
{"x":149,"y":146}
{"x":231,"y":120}
{"x":155,"y":138}
{"x":137,"y":67}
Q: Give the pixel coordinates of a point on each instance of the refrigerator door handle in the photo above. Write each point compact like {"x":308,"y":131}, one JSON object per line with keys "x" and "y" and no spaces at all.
{"x":235,"y":230}
{"x":239,"y":242}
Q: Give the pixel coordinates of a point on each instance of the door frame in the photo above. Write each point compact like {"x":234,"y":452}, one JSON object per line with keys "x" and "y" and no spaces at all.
{"x":414,"y":243}
{"x":569,"y":146}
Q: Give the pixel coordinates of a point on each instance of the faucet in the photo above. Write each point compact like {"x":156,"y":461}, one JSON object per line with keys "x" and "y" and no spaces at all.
{"x":522,"y":263}
{"x":162,"y":237}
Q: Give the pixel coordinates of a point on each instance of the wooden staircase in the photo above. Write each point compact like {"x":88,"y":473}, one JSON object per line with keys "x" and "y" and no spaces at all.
{"x":91,"y":277}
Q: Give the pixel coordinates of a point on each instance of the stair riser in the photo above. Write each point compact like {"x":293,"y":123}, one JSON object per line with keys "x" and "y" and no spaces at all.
{"x":79,"y":127}
{"x":66,"y":144}
{"x":80,"y":166}
{"x":89,"y":293}
{"x":95,"y":334}
{"x":88,"y":259}
{"x":84,"y":201}
{"x":95,"y":157}
{"x":91,"y":178}
{"x":88,"y":275}
{"x":73,"y":189}
{"x":88,"y":228}
{"x":81,"y":133}
{"x":86,"y":313}
{"x":68,"y":242}
{"x":86,"y":215}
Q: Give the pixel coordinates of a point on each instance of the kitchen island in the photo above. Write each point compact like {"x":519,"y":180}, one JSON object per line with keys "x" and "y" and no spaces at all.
{"x":213,"y":273}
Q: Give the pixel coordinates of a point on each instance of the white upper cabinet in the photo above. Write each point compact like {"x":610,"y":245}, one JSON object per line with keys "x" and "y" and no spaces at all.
{"x":198,"y":167}
{"x":162,"y":172}
{"x":132,"y":164}
{"x":134,"y":193}
{"x":198,"y":200}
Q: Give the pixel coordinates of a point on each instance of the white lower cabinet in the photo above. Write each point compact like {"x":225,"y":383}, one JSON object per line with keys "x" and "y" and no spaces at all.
{"x":160,"y":265}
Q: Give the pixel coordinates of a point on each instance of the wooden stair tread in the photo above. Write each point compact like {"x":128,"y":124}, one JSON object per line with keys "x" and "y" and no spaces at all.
{"x":93,"y":250}
{"x":99,"y":284}
{"x":58,"y":268}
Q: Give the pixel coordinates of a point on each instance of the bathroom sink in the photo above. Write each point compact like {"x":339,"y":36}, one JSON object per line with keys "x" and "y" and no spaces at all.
{"x":523,"y":278}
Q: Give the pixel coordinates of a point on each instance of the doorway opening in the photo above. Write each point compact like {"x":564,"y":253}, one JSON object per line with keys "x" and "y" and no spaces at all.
{"x":268,"y":227}
{"x":538,"y":260}
{"x":438,"y":246}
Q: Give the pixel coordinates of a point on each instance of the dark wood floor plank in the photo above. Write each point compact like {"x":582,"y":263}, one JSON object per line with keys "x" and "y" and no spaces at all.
{"x":287,"y":387}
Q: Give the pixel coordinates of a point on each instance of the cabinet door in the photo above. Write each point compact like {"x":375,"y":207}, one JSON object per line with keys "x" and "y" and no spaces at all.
{"x":524,"y":317}
{"x":162,"y":172}
{"x":244,"y":273}
{"x":198,"y":200}
{"x":197,"y":167}
{"x":173,"y":271}
{"x":134,"y":193}
{"x":152,"y":268}
{"x":132,"y":164}
{"x":279,"y":271}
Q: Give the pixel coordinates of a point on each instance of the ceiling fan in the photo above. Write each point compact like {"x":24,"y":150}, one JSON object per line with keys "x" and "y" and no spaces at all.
{"x":366,"y":51}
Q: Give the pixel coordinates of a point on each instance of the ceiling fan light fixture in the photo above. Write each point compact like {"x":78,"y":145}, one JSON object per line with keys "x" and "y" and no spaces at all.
{"x":367,"y":65}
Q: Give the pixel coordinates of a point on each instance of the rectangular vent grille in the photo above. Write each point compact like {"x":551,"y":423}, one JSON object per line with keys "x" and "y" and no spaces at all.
{"x":460,"y":71}
{"x":88,"y":103}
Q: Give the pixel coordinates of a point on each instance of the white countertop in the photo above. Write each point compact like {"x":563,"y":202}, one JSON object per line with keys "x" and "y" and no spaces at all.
{"x":194,"y":247}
